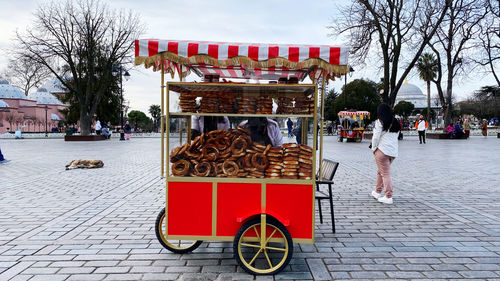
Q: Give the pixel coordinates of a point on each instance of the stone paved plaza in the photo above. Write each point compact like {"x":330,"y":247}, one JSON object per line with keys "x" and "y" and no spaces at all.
{"x":99,"y":224}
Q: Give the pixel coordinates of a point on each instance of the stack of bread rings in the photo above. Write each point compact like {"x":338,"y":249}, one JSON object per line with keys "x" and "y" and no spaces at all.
{"x":187,"y":102}
{"x":285,"y":105}
{"x":247,"y":104}
{"x":305,"y":162}
{"x":232,"y":153}
{"x":209,"y":103}
{"x":290,"y":161}
{"x":303,"y":105}
{"x":265,"y":105}
{"x":226,"y":103}
{"x":275,"y":157}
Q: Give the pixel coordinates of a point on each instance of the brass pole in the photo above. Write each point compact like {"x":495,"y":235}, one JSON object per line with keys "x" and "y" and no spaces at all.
{"x":162,"y":119}
{"x":321,"y":122}
{"x":179,"y":123}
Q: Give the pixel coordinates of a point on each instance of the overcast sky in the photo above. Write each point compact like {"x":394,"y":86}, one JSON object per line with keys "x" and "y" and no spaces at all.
{"x":271,"y":21}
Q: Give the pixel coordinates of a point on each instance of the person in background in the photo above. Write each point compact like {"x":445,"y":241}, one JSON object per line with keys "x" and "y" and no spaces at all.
{"x":385,"y":149}
{"x":484,"y":128}
{"x":205,"y":124}
{"x":450,"y":130}
{"x":466,"y":128}
{"x":2,"y":159}
{"x":458,"y":131}
{"x":264,"y":131}
{"x":421,"y":126}
{"x":105,"y":132}
{"x":98,"y":127}
{"x":289,"y":124}
{"x":127,"y":130}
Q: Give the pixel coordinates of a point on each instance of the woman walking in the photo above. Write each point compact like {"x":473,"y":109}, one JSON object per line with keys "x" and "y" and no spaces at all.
{"x":385,"y":150}
{"x":484,"y":128}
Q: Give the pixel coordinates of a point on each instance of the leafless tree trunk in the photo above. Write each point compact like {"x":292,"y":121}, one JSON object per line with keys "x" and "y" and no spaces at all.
{"x":429,"y":104}
{"x":456,"y":37}
{"x":395,"y":30}
{"x":87,"y":39}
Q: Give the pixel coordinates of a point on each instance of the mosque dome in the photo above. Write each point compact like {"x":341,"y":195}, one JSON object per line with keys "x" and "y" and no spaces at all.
{"x":411,"y":93}
{"x":42,"y":96}
{"x":8,"y":91}
{"x":3,"y":104}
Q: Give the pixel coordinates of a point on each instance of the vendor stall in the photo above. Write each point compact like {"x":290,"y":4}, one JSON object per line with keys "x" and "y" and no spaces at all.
{"x":352,"y":125}
{"x":229,"y":174}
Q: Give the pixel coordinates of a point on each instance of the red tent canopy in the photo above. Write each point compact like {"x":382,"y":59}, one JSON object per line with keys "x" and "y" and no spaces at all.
{"x":242,"y":60}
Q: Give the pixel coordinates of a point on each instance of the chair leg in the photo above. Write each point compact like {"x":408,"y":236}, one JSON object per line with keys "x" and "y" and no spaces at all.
{"x":320,"y":213}
{"x":331,"y":207}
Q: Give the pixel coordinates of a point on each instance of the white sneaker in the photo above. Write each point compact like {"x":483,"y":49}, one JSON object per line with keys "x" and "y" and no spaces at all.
{"x":376,"y":195}
{"x":385,"y":200}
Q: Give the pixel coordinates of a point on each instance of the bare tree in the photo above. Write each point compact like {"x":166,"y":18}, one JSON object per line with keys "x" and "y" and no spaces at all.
{"x":488,"y":55}
{"x":25,"y":74}
{"x":395,"y":30}
{"x":11,"y":118}
{"x":456,"y":38}
{"x":82,"y":40}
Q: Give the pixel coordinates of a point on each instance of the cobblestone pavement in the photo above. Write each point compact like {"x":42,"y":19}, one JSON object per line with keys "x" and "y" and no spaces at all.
{"x":99,"y":224}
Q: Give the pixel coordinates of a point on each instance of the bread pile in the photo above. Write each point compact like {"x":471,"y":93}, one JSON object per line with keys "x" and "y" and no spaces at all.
{"x":305,"y":162}
{"x":187,"y":102}
{"x":265,"y":105}
{"x":247,"y":105}
{"x":303,"y":105}
{"x":275,"y":157}
{"x":227,"y":102}
{"x":290,"y":161}
{"x":232,"y":154}
{"x":209,"y":103}
{"x":285,"y":105}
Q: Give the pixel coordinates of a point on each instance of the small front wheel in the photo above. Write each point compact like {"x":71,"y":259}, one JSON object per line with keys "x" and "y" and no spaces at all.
{"x":267,"y":256}
{"x":176,"y":246}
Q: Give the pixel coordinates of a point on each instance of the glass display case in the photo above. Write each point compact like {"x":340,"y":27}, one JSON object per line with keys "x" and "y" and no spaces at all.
{"x":231,"y":130}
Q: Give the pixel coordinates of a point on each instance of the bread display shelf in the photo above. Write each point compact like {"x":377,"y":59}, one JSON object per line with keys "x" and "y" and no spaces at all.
{"x":273,"y":90}
{"x":174,"y":114}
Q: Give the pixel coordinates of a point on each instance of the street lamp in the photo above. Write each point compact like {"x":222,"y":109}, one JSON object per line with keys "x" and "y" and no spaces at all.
{"x":117,"y":70}
{"x":351,"y":70}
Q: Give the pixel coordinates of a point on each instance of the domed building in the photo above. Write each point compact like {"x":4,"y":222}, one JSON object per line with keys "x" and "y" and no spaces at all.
{"x":411,"y":93}
{"x":18,"y":112}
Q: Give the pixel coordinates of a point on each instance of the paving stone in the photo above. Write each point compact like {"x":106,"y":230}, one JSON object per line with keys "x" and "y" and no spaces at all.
{"x":86,"y":277}
{"x":479,"y":274}
{"x":404,"y":274}
{"x":318,"y":269}
{"x":76,"y":270}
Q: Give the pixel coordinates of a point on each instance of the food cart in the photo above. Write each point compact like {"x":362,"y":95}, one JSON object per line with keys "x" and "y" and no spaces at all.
{"x":223,"y":184}
{"x":352,"y":123}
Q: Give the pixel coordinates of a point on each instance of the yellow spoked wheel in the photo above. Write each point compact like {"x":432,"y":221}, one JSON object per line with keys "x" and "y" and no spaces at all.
{"x":263,"y":256}
{"x":176,"y":246}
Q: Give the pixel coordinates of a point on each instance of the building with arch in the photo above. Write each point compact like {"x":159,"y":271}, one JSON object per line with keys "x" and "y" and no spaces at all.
{"x":28,"y":113}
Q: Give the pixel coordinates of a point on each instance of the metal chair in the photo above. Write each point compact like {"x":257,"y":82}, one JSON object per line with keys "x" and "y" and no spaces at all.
{"x":328,"y":169}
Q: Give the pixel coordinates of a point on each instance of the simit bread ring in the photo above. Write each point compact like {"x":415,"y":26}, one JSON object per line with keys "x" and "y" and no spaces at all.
{"x":230,"y":168}
{"x":239,"y":146}
{"x":222,"y":142}
{"x":259,"y":161}
{"x":202,"y":169}
{"x":210,"y":152}
{"x":180,"y":168}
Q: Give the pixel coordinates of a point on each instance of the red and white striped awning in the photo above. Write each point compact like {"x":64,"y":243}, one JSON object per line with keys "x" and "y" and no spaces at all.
{"x":353,"y":113}
{"x":242,"y":60}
